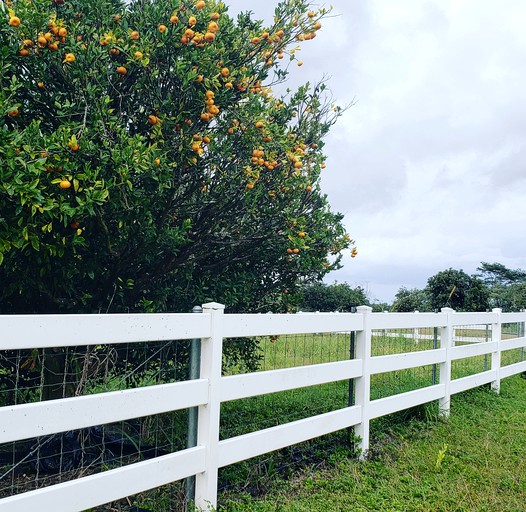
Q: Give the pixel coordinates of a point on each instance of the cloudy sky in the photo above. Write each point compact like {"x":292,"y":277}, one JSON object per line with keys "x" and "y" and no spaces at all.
{"x":429,"y":165}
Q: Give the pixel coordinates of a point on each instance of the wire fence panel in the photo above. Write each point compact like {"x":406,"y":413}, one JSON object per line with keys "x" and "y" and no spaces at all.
{"x":398,"y":341}
{"x":247,"y":415}
{"x":40,"y":375}
{"x":468,"y":335}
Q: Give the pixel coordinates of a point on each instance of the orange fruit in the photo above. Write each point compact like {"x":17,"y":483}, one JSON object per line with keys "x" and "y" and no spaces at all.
{"x":40,"y":85}
{"x":161,"y":28}
{"x":73,"y":146}
{"x":192,"y":20}
{"x":70,"y":57}
{"x":62,"y":32}
{"x":205,"y":116}
{"x":64,"y":184}
{"x":135,"y":35}
{"x":24,"y":52}
{"x":174,"y":19}
{"x":215,"y":16}
{"x":229,"y":85}
{"x":209,"y":95}
{"x":225,"y":72}
{"x":13,"y":113}
{"x":256,"y":40}
{"x":189,"y":33}
{"x":200,"y":4}
{"x":153,"y":119}
{"x":311,"y":14}
{"x":138,"y":55}
{"x":42,"y":41}
{"x":28,"y":43}
{"x":300,"y":63}
{"x":209,"y":37}
{"x":317,"y":25}
{"x":250,"y":185}
{"x":53,"y":47}
{"x":199,"y":79}
{"x":308,"y":188}
{"x":157,"y":162}
{"x":259,"y":124}
{"x":301,"y":234}
{"x":121,"y":70}
{"x":48,"y":36}
{"x":14,"y":21}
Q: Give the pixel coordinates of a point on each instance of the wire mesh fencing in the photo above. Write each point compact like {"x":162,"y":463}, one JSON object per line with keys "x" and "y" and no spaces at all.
{"x":397,"y":341}
{"x":469,"y":335}
{"x":247,"y":415}
{"x":511,"y":331}
{"x":28,"y":376}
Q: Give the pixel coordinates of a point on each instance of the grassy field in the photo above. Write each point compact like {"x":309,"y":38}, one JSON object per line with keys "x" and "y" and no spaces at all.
{"x":475,"y":461}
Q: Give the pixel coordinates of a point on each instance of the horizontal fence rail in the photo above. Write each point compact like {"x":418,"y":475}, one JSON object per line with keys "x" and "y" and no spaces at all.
{"x":413,"y":340}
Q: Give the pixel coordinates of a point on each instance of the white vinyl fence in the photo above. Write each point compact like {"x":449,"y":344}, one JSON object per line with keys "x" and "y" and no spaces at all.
{"x":211,"y":389}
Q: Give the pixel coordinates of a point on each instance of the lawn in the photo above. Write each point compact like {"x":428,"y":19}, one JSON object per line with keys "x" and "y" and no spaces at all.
{"x":475,"y":461}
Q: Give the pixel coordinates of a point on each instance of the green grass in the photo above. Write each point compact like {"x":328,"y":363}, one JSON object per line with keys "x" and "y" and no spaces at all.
{"x":475,"y":461}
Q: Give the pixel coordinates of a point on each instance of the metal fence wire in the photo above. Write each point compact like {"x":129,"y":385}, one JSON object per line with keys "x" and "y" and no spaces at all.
{"x":48,"y":374}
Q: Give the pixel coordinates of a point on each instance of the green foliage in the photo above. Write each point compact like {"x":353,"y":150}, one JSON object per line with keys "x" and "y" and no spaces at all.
{"x":480,"y":449}
{"x":458,"y":290}
{"x":497,"y":274}
{"x":334,"y":297}
{"x":146,"y":163}
{"x":411,"y":300}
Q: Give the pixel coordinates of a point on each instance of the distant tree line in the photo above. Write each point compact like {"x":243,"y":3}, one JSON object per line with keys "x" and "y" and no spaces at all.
{"x":492,"y":286}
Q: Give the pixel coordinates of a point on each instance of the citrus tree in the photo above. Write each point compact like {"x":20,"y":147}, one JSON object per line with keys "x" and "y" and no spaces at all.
{"x":147,"y":164}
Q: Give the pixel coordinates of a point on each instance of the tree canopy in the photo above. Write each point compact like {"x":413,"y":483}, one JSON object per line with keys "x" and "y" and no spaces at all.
{"x":333,"y":297}
{"x":147,"y":163}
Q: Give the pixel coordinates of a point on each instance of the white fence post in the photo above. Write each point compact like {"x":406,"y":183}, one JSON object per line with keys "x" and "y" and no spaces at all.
{"x":446,"y":341}
{"x":363,"y":383}
{"x":208,"y":416}
{"x":496,"y":335}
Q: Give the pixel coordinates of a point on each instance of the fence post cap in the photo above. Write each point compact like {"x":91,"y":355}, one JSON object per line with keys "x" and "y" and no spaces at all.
{"x":364,"y":309}
{"x":447,"y":310}
{"x":214,"y":305}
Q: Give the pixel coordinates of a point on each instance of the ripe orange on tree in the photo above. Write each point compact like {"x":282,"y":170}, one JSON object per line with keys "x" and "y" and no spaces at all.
{"x":121,"y":70}
{"x":64,"y":184}
{"x":14,"y":21}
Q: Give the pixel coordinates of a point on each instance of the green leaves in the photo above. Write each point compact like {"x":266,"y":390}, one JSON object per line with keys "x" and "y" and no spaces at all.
{"x":150,"y":175}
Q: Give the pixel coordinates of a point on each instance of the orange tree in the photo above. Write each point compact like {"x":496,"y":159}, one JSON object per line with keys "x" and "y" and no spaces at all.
{"x":148,"y":165}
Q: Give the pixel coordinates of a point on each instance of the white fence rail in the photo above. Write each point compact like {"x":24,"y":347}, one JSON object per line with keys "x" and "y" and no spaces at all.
{"x":211,"y":389}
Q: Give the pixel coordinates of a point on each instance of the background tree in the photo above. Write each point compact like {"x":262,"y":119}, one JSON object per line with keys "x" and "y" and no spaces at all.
{"x":413,"y":299}
{"x":458,"y":290}
{"x":507,"y":286}
{"x":147,"y":164}
{"x":333,"y":297}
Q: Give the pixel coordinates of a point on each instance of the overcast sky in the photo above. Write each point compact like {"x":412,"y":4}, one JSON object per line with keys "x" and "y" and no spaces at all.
{"x":429,"y":164}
